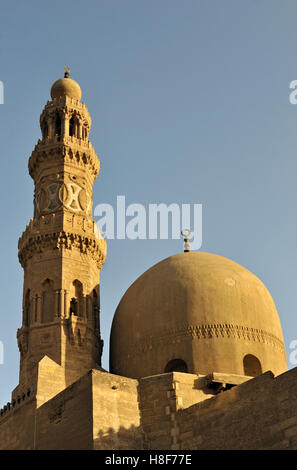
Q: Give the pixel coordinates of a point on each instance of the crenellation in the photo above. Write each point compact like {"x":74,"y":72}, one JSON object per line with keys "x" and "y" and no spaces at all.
{"x":15,"y":403}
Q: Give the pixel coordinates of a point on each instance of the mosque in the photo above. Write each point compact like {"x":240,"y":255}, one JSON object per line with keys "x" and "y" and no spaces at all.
{"x":197,"y":355}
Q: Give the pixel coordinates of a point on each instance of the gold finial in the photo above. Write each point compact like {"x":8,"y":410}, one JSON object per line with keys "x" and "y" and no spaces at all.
{"x":67,"y":71}
{"x":187,"y":235}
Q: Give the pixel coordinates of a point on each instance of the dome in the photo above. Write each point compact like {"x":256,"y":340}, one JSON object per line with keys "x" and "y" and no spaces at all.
{"x":199,"y":313}
{"x":66,"y":87}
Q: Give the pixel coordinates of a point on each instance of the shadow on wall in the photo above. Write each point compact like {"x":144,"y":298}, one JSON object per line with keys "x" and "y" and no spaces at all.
{"x":122,"y":439}
{"x":84,"y":346}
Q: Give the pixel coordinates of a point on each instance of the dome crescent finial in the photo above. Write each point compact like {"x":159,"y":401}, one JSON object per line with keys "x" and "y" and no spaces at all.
{"x":186,"y":233}
{"x":67,"y":71}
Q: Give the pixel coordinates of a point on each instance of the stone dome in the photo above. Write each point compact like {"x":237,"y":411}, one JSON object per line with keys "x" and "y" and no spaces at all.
{"x":66,"y":87}
{"x":199,"y":313}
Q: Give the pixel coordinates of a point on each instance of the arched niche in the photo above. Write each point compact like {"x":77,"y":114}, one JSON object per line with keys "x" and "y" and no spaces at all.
{"x":27,"y":308}
{"x":176,"y":365}
{"x":58,"y":124}
{"x":95,"y":309}
{"x":48,"y":301}
{"x":76,"y":302}
{"x":251,"y":365}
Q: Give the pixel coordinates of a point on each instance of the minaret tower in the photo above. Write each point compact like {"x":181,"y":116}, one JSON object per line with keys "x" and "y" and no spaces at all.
{"x":61,"y":249}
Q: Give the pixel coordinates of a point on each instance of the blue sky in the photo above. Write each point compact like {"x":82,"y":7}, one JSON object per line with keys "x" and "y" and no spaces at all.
{"x":190,"y":104}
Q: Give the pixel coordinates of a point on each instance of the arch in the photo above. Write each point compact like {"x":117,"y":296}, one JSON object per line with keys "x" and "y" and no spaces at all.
{"x":95,"y":310}
{"x":48,"y":301}
{"x":251,"y":365}
{"x":74,"y":126}
{"x":27,"y":308}
{"x":71,"y":126}
{"x":73,"y":306}
{"x":176,"y":365}
{"x":58,"y":124}
{"x":76,"y":303}
{"x":85,"y":132}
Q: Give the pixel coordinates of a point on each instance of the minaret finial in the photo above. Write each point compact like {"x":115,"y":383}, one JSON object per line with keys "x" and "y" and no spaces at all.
{"x":186,"y":234}
{"x":67,"y":71}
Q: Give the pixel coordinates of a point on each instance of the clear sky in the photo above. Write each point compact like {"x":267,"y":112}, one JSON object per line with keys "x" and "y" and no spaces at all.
{"x":190,"y":104}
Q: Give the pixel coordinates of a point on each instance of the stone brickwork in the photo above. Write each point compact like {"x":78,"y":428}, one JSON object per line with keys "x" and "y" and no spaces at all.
{"x":161,"y":397}
{"x":259,"y":414}
{"x":17,"y":425}
{"x":65,"y":422}
{"x":116,"y":417}
{"x":170,"y":411}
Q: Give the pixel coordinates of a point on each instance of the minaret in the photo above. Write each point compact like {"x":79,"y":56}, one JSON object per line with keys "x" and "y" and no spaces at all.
{"x":61,"y":249}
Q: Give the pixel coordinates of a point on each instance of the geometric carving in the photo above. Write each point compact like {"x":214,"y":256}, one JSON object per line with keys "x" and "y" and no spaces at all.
{"x":47,"y":199}
{"x":51,"y":197}
{"x":73,"y":197}
{"x":202,"y":332}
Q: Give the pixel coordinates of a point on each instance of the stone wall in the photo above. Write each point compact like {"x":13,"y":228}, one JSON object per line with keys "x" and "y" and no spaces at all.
{"x":161,"y":396}
{"x":168,"y":411}
{"x":17,"y":426}
{"x":99,"y":411}
{"x":116,"y":417}
{"x":65,"y":421}
{"x":259,"y":414}
{"x":179,"y":412}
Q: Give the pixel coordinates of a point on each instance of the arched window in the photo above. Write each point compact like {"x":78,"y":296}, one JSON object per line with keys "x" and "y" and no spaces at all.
{"x":95,"y":310}
{"x":58,"y":124}
{"x":48,"y":301}
{"x":176,"y":365}
{"x":44,"y":129}
{"x":71,"y":127}
{"x":27,"y":309}
{"x":76,"y":303}
{"x":74,"y":126}
{"x":73,"y":306}
{"x":84,"y":133}
{"x":251,"y":366}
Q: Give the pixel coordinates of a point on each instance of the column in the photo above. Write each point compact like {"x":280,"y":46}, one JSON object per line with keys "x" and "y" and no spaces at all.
{"x":57,"y":304}
{"x":39,"y":309}
{"x":66,"y":304}
{"x":62,"y":300}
